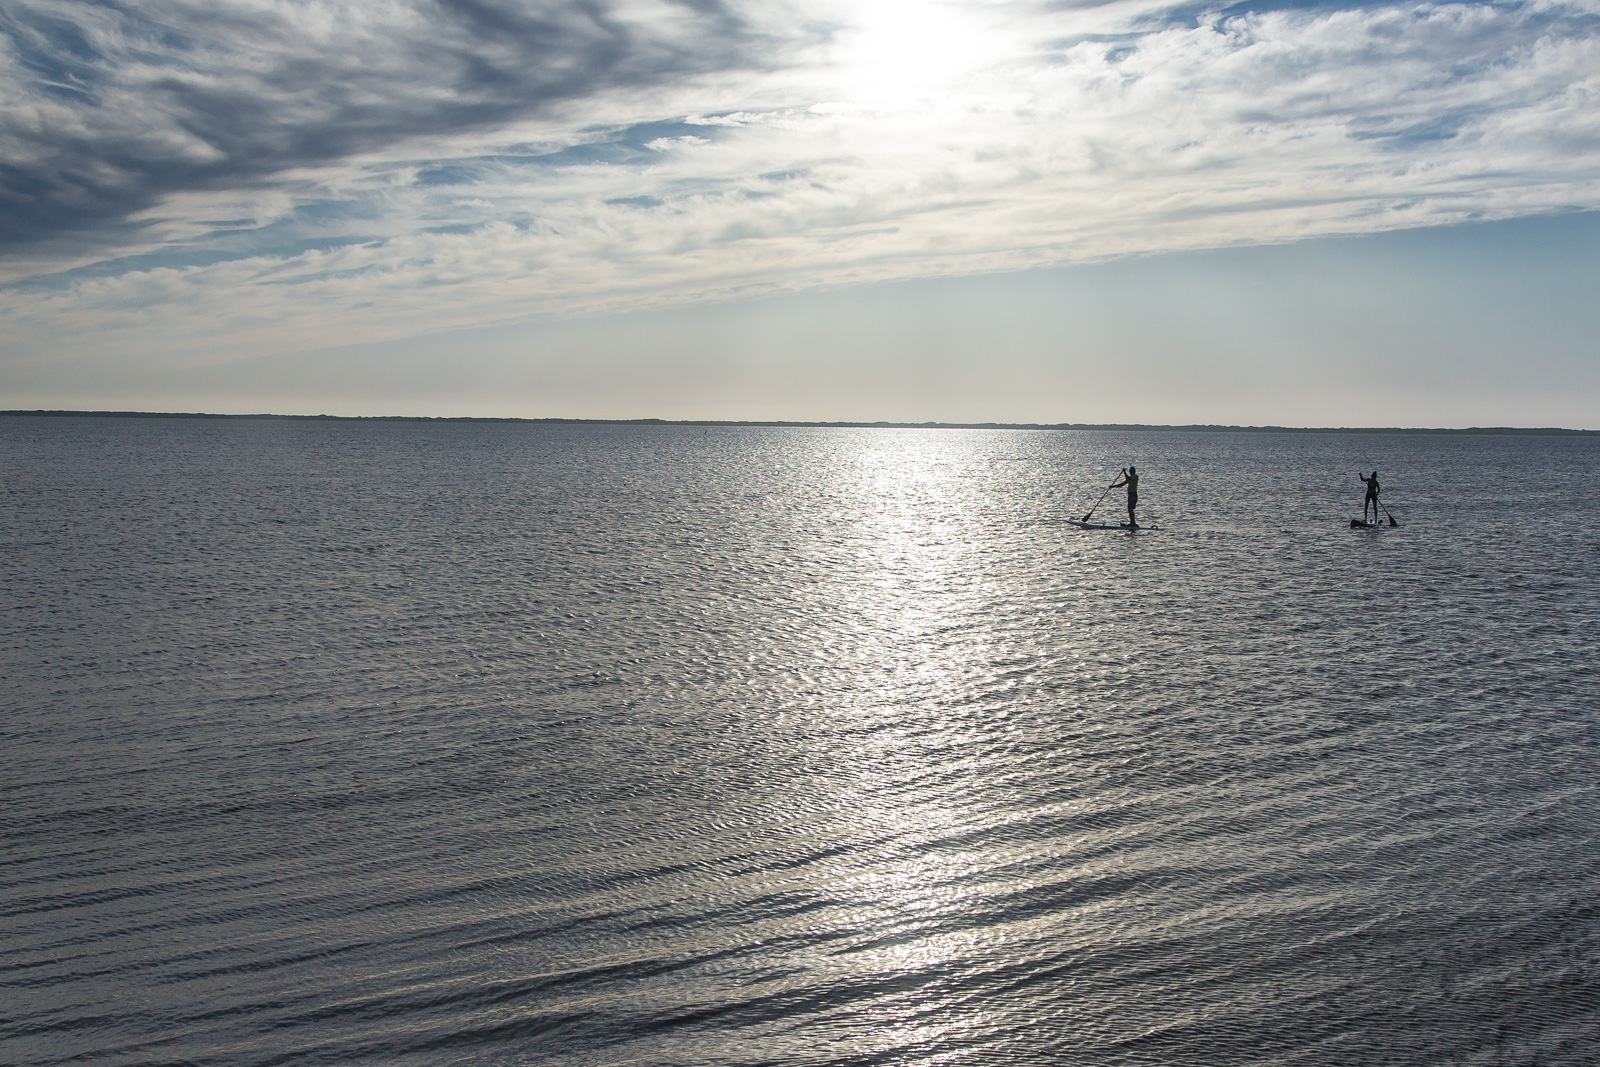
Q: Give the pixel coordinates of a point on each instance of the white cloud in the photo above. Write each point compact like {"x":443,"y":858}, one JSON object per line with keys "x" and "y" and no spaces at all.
{"x":1009,"y":137}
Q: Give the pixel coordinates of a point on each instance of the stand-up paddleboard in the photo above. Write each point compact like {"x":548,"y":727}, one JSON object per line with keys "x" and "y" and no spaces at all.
{"x":1362,"y":524}
{"x":1080,"y":524}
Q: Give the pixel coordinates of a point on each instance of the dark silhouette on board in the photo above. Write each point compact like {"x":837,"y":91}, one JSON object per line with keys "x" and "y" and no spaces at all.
{"x":1372,"y":502}
{"x":1372,"y":496}
{"x":1130,"y":478}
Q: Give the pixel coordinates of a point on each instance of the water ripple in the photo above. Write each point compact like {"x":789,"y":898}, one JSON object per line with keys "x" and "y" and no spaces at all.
{"x":665,"y":745}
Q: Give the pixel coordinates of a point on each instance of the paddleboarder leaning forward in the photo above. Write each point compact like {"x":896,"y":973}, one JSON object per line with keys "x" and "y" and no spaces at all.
{"x":1130,"y":478}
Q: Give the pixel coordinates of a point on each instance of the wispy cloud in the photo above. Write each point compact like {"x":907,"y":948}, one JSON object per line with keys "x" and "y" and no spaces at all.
{"x":305,"y":174}
{"x":111,"y":107}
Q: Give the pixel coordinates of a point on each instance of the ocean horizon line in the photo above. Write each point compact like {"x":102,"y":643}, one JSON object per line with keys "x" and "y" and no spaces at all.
{"x":1549,"y":431}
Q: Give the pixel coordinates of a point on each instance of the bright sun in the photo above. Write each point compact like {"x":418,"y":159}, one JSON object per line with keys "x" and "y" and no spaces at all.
{"x":904,"y":53}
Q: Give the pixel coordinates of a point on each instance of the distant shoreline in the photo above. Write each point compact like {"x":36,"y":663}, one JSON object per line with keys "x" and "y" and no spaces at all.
{"x":1536,"y":431}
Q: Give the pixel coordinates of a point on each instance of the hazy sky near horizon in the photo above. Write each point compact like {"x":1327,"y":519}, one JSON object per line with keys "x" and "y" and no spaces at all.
{"x":987,"y":210}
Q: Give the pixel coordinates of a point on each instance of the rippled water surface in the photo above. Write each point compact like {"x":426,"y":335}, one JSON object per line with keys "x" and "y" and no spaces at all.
{"x":508,"y":744}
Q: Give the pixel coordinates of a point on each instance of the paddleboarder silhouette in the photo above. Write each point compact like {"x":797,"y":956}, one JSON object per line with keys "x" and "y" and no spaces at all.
{"x":1372,"y":496}
{"x":1130,"y":478}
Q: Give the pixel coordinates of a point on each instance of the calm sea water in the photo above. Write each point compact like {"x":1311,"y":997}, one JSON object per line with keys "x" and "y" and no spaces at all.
{"x":510,"y":744}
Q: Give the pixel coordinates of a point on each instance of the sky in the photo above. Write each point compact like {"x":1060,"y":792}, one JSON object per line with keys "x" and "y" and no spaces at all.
{"x":1326,"y":213}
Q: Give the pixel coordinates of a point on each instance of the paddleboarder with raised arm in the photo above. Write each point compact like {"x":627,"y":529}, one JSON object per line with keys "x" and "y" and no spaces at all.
{"x":1130,"y":478}
{"x":1372,"y":496}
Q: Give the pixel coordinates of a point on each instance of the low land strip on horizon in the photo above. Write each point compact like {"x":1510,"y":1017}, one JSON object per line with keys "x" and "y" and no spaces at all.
{"x":1551,"y":431}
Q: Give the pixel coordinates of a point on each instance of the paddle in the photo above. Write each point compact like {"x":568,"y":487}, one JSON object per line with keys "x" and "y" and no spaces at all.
{"x":1391,"y":517}
{"x":1097,"y":503}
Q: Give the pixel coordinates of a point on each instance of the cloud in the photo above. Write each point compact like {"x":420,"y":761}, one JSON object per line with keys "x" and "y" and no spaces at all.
{"x":402,"y":182}
{"x":110,"y":109}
